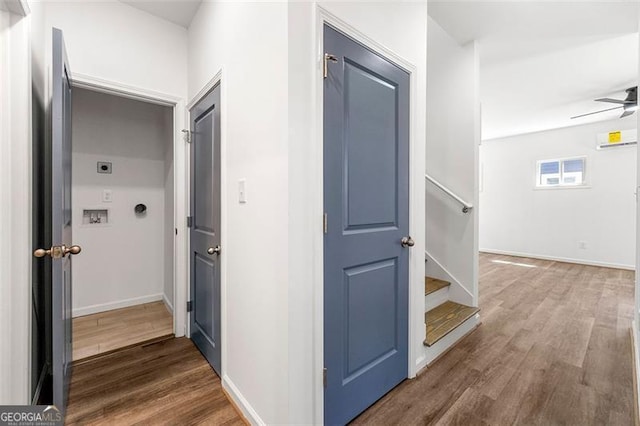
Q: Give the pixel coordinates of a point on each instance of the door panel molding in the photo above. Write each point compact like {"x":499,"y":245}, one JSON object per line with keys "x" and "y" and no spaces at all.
{"x":205,"y":233}
{"x":222,"y":261}
{"x":417,"y":106}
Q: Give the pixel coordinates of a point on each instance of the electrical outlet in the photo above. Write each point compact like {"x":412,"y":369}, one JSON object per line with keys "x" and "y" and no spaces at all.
{"x":107,"y":196}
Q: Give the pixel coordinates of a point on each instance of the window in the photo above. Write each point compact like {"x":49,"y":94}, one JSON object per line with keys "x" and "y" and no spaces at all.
{"x":562,"y":172}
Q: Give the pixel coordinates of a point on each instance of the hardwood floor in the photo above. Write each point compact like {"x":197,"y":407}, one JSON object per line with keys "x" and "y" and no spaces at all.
{"x":431,"y":285}
{"x":107,"y":331}
{"x":554,"y":349}
{"x":444,"y":318}
{"x":167,"y":382}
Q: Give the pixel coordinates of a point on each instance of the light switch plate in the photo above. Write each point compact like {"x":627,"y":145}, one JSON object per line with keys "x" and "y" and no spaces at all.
{"x":242,"y":191}
{"x":107,"y":196}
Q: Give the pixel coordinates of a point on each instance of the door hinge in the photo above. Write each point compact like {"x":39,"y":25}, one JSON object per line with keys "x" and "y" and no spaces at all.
{"x":189,"y":306}
{"x":328,"y":57}
{"x":187,"y":135}
{"x":189,"y":221}
{"x":325,"y":223}
{"x":324,"y":377}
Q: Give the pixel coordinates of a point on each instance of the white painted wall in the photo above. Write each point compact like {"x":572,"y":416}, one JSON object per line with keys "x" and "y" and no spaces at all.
{"x":122,"y":263}
{"x":248,"y":41}
{"x":549,"y":223}
{"x":451,"y":158}
{"x":116,"y":42}
{"x":400,"y":27}
{"x":15,"y":191}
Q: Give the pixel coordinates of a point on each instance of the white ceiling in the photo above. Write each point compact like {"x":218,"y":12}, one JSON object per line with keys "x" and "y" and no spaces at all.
{"x":180,"y":12}
{"x":543,"y":62}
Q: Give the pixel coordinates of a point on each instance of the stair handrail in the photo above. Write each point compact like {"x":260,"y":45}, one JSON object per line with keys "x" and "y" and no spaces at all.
{"x":466,"y":207}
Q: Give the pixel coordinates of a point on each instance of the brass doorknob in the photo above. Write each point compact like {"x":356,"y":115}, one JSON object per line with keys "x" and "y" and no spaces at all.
{"x":41,"y":252}
{"x":407,"y":241}
{"x":74,"y":249}
{"x":214,"y":250}
{"x":57,"y":252}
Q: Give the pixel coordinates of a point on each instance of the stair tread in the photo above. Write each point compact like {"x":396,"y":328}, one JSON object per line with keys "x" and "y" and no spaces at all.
{"x":445,"y":318}
{"x":434,"y":284}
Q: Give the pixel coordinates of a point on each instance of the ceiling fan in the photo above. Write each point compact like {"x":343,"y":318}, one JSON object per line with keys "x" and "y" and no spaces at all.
{"x":629,"y":104}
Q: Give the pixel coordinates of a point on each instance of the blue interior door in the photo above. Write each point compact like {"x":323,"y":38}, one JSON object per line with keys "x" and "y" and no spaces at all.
{"x":366,"y":199}
{"x":205,"y":227}
{"x":61,"y":351}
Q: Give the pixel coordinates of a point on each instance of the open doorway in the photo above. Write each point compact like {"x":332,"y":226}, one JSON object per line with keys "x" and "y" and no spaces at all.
{"x":123,"y":218}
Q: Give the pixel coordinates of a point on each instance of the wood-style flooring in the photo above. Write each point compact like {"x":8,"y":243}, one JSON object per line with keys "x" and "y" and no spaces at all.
{"x":167,"y":382}
{"x":104,"y":332}
{"x":431,"y":285}
{"x":443,"y":319}
{"x":554,"y":348}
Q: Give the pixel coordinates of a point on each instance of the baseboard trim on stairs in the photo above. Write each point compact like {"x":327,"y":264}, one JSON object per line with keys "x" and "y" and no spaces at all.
{"x":475,"y":327}
{"x":452,"y":279}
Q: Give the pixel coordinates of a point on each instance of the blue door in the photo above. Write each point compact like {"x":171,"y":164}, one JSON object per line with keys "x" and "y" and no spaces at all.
{"x":205,"y":249}
{"x":366,"y":201}
{"x":56,"y":193}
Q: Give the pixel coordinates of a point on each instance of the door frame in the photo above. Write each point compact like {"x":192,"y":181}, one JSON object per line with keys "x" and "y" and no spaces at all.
{"x":416,"y":204}
{"x":15,"y":186}
{"x":180,"y":180}
{"x":204,"y":91}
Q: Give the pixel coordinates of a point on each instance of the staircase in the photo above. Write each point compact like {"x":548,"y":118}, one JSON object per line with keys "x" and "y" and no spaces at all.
{"x":442,"y":315}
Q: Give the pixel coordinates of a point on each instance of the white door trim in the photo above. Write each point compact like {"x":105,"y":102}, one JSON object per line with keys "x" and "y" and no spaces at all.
{"x":217,"y":79}
{"x":416,"y":205}
{"x":15,"y":217}
{"x":180,"y":180}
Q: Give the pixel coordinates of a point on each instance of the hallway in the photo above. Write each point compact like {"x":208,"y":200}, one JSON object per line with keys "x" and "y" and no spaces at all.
{"x":554,"y":347}
{"x":167,"y":382}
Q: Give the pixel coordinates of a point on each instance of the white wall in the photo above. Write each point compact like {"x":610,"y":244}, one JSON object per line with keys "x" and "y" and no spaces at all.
{"x":15,"y":191}
{"x":549,"y":223}
{"x":122,"y":263}
{"x":113,"y":41}
{"x":248,"y":41}
{"x":451,"y":158}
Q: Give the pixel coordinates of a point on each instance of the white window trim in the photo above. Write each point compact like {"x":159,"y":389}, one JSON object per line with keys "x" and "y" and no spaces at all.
{"x":561,"y":160}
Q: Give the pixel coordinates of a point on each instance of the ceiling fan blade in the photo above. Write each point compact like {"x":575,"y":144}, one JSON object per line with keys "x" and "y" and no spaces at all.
{"x":627,"y":113}
{"x":596,"y":112}
{"x":613,"y":101}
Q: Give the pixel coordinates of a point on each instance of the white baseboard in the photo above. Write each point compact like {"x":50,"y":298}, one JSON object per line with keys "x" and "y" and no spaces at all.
{"x":636,"y":370}
{"x":559,"y":259}
{"x":168,"y":304}
{"x":110,"y":306}
{"x":241,"y":402}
